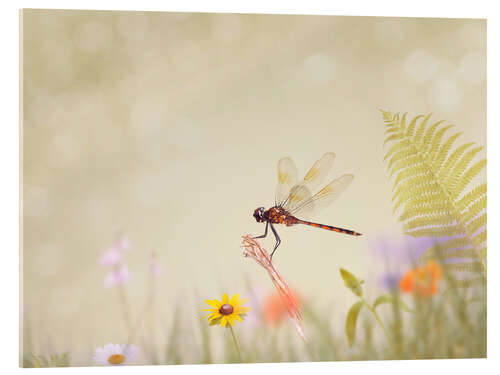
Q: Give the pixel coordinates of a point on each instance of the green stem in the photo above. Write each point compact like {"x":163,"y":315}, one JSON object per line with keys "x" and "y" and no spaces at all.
{"x":235,"y":342}
{"x":378,"y":320}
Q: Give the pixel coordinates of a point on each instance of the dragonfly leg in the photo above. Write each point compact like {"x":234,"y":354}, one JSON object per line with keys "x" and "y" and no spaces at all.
{"x":265,"y":231}
{"x":278,"y":241}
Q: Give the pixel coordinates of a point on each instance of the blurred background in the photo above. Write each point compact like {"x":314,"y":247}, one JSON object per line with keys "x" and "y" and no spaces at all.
{"x":165,"y":129}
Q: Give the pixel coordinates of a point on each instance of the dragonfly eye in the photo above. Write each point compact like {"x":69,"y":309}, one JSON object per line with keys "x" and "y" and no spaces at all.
{"x":258,"y":214}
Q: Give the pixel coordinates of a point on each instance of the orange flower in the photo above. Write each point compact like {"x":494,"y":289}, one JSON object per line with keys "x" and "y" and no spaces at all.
{"x":274,"y":309}
{"x":423,"y":281}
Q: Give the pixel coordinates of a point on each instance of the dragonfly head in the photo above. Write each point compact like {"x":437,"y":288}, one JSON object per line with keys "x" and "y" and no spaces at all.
{"x":258,"y":214}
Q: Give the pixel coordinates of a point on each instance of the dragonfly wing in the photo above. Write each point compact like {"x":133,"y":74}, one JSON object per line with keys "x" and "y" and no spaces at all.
{"x":298,"y":194}
{"x":322,"y":198}
{"x":287,"y":178}
{"x":316,"y":175}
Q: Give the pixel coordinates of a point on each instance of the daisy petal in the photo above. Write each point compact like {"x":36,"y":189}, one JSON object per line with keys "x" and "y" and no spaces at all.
{"x":225,"y":299}
{"x":130,"y":353}
{"x":223,"y":321}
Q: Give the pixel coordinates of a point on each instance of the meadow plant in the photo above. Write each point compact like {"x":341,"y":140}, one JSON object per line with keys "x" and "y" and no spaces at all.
{"x":253,"y":249}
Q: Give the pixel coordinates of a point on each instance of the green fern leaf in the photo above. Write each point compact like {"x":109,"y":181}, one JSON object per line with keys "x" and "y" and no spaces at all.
{"x":477,"y":223}
{"x":424,"y":221}
{"x":451,"y":230}
{"x":411,"y":127}
{"x":400,"y":155}
{"x":459,"y":168}
{"x":467,"y":177}
{"x":436,"y":142}
{"x":469,"y":283}
{"x":420,"y":130}
{"x":402,"y":145}
{"x":428,"y":137}
{"x":404,"y":163}
{"x":430,"y":174}
{"x":452,"y":254}
{"x":452,"y":160}
{"x":463,"y":267}
{"x":433,"y":209}
{"x":444,"y":150}
{"x":474,"y":209}
{"x":477,"y":193}
{"x":479,"y":239}
{"x":427,"y":188}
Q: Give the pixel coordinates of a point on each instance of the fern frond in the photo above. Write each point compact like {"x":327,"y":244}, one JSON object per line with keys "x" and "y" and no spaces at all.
{"x":469,"y":283}
{"x":447,"y":167}
{"x":411,"y":127}
{"x":451,"y":181}
{"x":443,"y":151}
{"x":478,"y":193}
{"x":453,"y":254}
{"x":421,"y":128}
{"x":404,"y":163}
{"x":414,"y":180}
{"x":467,"y":177}
{"x":432,"y":209}
{"x":474,"y":209}
{"x":400,"y":155}
{"x":463,"y":267}
{"x":401,"y":145}
{"x":477,"y":223}
{"x":428,"y":137}
{"x":394,"y":137}
{"x":430,"y":174}
{"x":451,"y":230}
{"x":436,"y":142}
{"x":386,"y":115}
{"x":430,"y":190}
{"x":482,"y":253}
{"x":424,"y":221}
{"x":479,"y":239}
{"x":422,"y":201}
{"x":409,"y":172}
{"x":445,"y":246}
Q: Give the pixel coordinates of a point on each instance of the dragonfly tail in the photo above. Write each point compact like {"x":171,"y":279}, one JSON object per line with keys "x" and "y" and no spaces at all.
{"x":329,"y":227}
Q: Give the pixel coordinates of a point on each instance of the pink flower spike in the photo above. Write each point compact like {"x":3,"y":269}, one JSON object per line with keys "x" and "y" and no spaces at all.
{"x":117,"y":276}
{"x":155,"y":267}
{"x":111,"y":257}
{"x":123,"y":242}
{"x":253,"y":249}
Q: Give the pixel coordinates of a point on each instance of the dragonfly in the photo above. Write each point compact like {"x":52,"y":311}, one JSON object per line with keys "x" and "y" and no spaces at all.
{"x":294,"y":198}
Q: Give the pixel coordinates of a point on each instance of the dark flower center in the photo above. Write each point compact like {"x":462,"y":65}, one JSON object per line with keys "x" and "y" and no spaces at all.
{"x":226,"y":309}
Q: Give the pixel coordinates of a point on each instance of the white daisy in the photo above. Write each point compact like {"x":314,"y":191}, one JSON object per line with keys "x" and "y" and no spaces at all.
{"x":115,"y":354}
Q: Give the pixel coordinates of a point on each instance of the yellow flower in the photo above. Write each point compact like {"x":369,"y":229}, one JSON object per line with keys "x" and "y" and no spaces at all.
{"x":226,"y":312}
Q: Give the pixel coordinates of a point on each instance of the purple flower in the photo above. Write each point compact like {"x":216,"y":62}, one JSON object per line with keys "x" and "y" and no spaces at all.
{"x":403,"y":252}
{"x":117,"y":276}
{"x":390,"y":280}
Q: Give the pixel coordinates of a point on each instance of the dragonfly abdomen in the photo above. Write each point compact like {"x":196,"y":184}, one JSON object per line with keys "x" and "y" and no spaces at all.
{"x":329,"y":227}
